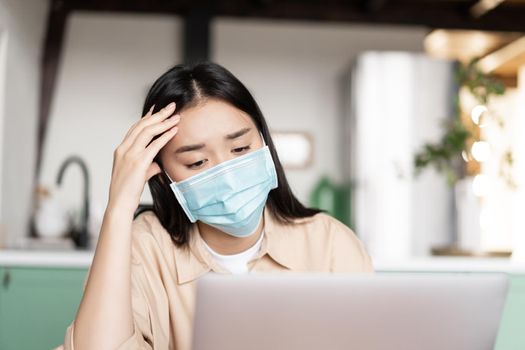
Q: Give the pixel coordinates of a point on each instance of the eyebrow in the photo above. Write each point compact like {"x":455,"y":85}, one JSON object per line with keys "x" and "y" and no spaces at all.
{"x":232,"y":136}
{"x":237,"y":134}
{"x":189,"y":148}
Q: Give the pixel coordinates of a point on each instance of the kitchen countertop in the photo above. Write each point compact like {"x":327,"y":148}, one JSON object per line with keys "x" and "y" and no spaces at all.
{"x":450,"y":264}
{"x":82,"y":259}
{"x":48,"y":258}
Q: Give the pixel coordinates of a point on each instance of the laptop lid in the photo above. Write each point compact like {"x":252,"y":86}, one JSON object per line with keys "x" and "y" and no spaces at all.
{"x":338,"y":311}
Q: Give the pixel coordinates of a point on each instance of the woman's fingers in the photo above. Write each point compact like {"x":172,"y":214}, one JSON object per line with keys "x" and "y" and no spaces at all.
{"x":147,"y":120}
{"x":148,"y":114}
{"x":156,"y":145}
{"x":149,"y":132}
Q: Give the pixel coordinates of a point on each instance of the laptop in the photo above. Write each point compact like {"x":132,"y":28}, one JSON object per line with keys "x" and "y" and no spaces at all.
{"x":297,"y":311}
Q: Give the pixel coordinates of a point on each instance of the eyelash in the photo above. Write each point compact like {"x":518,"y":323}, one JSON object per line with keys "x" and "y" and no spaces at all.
{"x":245,"y":148}
{"x":198,"y":164}
{"x":195,"y":165}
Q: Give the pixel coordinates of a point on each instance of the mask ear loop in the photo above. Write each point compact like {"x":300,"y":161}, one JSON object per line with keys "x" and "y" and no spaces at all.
{"x":180,"y":198}
{"x":262,"y":137}
{"x":165,"y":172}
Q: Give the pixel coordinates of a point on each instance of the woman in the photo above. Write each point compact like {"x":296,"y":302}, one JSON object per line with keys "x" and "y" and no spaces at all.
{"x":221,"y":204}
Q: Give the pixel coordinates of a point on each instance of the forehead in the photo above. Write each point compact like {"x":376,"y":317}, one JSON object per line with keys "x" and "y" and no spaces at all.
{"x":210,"y":120}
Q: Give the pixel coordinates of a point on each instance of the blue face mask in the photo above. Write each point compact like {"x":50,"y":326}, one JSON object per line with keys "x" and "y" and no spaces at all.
{"x":230,"y":196}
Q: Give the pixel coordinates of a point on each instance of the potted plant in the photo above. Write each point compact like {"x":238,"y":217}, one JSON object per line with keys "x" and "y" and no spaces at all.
{"x":461,"y":150}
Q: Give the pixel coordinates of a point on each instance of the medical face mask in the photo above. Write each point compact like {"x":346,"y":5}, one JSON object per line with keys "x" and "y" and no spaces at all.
{"x":230,"y":196}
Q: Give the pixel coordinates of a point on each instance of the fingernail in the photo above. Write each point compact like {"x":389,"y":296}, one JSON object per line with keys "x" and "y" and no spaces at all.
{"x":170,"y":106}
{"x":176,"y":117}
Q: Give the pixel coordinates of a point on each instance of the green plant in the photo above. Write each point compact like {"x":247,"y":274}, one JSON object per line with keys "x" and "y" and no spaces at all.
{"x":481,"y":85}
{"x":449,"y":156}
{"x":445,"y":156}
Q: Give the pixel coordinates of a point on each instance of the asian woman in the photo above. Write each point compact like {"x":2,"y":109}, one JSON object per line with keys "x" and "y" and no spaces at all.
{"x":221,"y":204}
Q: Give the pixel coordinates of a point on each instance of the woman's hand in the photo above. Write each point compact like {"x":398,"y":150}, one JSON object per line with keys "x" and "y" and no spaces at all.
{"x":105,"y":315}
{"x":133,"y":162}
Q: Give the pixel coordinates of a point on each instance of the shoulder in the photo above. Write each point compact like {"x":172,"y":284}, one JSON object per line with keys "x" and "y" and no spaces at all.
{"x":324,"y":227}
{"x":149,"y":238}
{"x":337,"y":232}
{"x":340,"y":245}
{"x":146,"y":225}
{"x":348,"y":251}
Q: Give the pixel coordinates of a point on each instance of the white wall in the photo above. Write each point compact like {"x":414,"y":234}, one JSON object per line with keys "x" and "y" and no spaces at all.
{"x":24,"y":22}
{"x":3,"y":70}
{"x":109,"y":63}
{"x":295,"y":69}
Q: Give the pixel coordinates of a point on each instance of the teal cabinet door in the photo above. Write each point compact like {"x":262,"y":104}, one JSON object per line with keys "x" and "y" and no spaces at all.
{"x":511,"y":334}
{"x":37,"y":305}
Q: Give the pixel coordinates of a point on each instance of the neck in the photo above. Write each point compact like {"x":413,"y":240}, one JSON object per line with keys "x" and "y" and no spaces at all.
{"x":226,"y":244}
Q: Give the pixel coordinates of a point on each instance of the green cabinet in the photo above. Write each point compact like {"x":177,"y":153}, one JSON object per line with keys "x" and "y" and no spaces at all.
{"x":511,"y":334}
{"x":37,"y":305}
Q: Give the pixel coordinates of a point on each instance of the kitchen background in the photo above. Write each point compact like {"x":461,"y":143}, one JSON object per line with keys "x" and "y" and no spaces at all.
{"x":108,"y":61}
{"x":351,"y":101}
{"x":361,"y":100}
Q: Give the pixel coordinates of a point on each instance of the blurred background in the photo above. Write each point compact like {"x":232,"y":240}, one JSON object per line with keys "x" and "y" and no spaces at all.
{"x":405,"y":119}
{"x":401,"y":118}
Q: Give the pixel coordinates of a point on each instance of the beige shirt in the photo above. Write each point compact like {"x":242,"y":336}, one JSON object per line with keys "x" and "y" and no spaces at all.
{"x":163,"y":276}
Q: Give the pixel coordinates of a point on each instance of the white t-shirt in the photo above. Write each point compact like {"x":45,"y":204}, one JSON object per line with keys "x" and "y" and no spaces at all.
{"x":236,"y":263}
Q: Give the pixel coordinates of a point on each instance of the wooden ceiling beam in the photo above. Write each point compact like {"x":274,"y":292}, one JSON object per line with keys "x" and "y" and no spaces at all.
{"x":451,"y":14}
{"x":484,"y":6}
{"x":197,"y":34}
{"x":505,"y":61}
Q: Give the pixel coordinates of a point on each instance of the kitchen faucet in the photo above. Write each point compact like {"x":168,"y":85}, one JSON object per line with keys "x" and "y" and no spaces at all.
{"x":79,"y":234}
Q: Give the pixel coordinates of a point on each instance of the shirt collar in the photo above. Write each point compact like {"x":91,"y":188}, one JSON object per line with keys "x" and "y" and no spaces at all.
{"x":195,"y":260}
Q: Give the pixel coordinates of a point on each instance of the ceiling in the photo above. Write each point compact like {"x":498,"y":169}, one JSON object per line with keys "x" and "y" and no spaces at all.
{"x":465,"y":45}
{"x":496,"y":15}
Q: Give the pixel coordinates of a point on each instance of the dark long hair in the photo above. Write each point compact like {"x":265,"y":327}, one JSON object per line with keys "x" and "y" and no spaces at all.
{"x":187,"y":85}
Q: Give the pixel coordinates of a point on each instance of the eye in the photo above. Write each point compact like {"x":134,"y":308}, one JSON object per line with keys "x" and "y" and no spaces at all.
{"x":197,"y":165}
{"x":240,"y":149}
